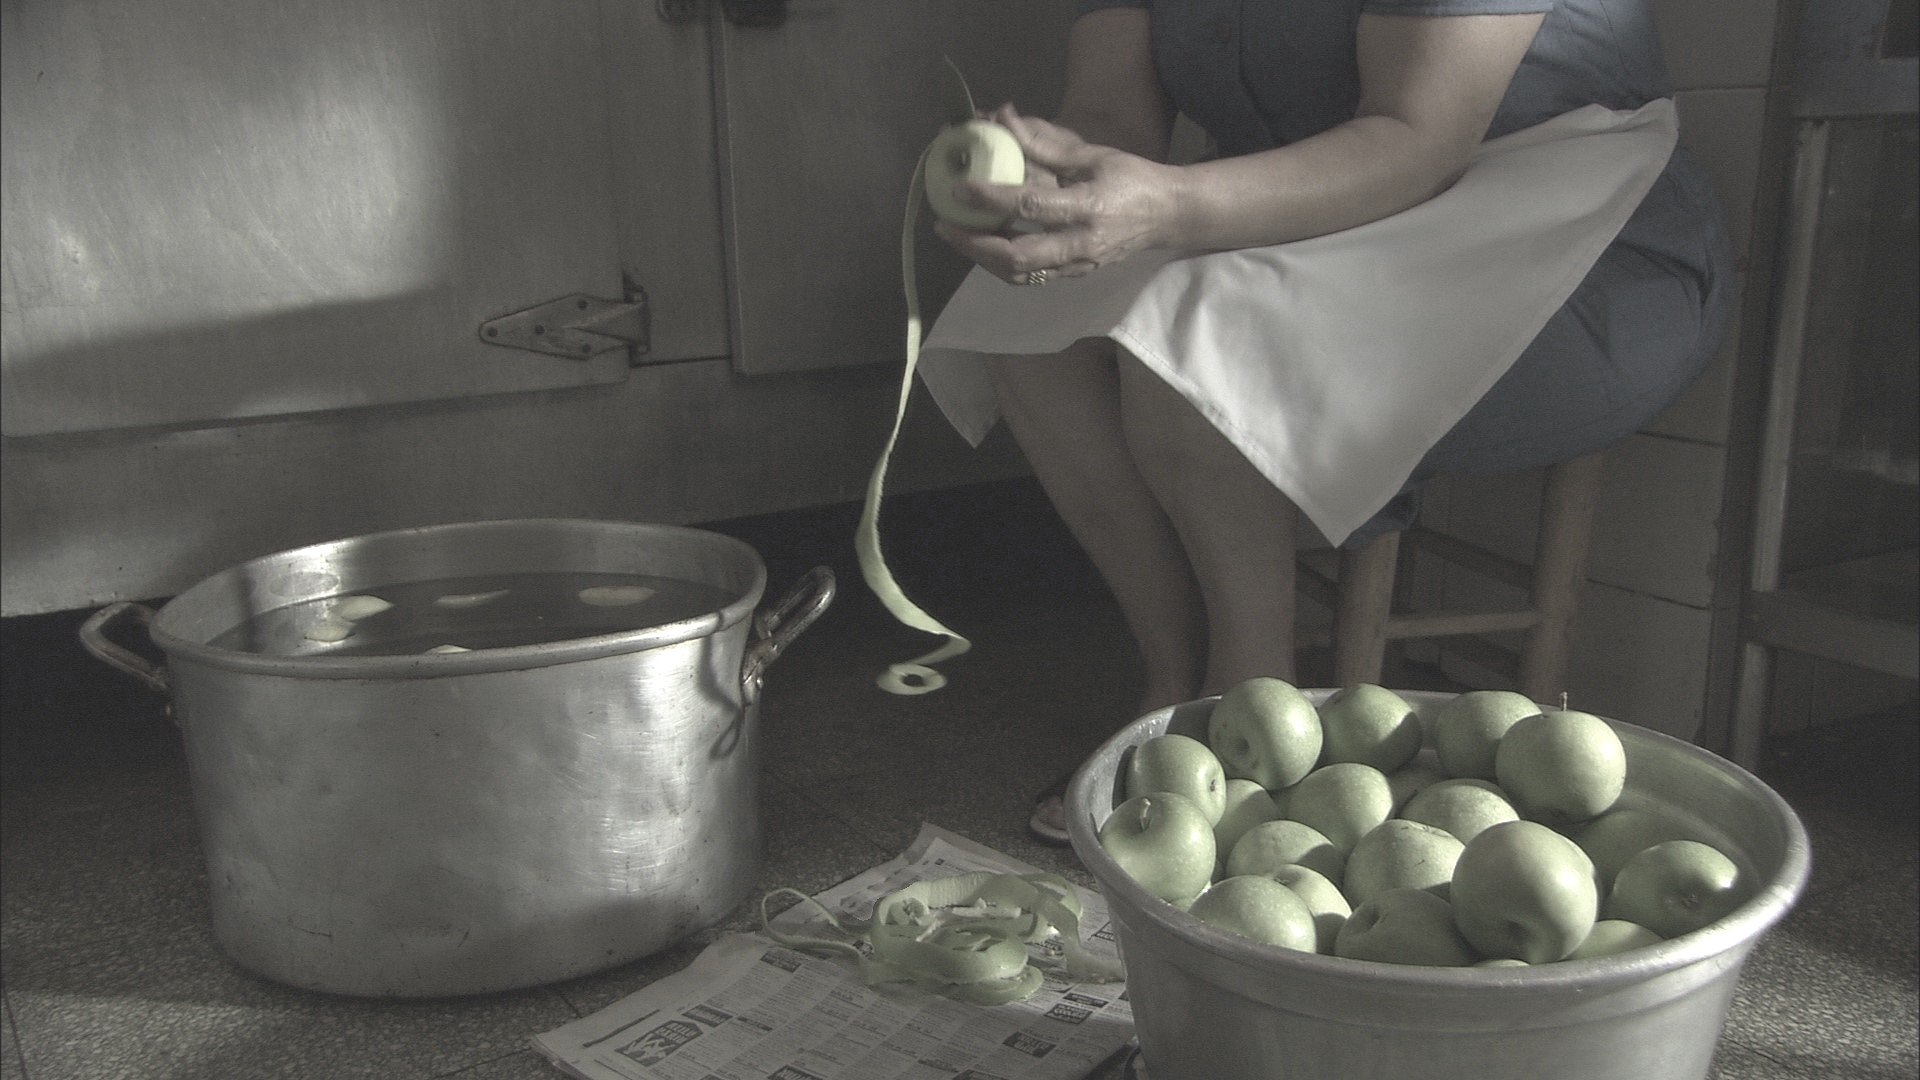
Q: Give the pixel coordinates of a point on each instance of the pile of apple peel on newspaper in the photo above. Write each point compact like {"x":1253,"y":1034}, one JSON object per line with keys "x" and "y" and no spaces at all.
{"x":967,"y":937}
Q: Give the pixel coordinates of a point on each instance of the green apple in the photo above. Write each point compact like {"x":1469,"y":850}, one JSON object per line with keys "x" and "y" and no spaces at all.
{"x":1676,"y":887}
{"x":1370,"y":725}
{"x":1164,"y":843}
{"x":1502,"y":961}
{"x":1259,"y":908}
{"x":1400,"y":854}
{"x":1270,"y":845}
{"x":1323,"y":899}
{"x":1247,"y":805}
{"x":1181,"y":765}
{"x":1265,"y":730}
{"x":1462,"y":806}
{"x":1522,"y":890}
{"x":1561,"y":767}
{"x":1415,"y":776}
{"x":1611,"y":937}
{"x":1344,"y":801}
{"x":975,"y":150}
{"x":1469,"y":726}
{"x":1404,"y":926}
{"x":1620,"y":834}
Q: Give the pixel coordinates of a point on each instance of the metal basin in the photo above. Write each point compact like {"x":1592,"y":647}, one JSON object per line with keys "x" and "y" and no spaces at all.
{"x":431,"y":825}
{"x":1209,"y":1004}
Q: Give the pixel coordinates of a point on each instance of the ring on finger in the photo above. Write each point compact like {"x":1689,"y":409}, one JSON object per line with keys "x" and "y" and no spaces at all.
{"x":1033,"y":277}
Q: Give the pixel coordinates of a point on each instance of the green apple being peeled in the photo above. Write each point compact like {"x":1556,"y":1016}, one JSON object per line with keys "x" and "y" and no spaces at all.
{"x":1561,"y":767}
{"x":1620,"y":834}
{"x":1370,"y":725}
{"x":1323,"y":899}
{"x":1345,"y":801}
{"x":1265,"y":730}
{"x":976,"y":150}
{"x":1675,"y":887}
{"x":1266,"y":847}
{"x":1611,"y":937}
{"x":1247,"y":805}
{"x":1415,"y":776}
{"x":1404,"y":926}
{"x":1181,"y":765}
{"x":1259,"y":908}
{"x":1400,"y":854}
{"x":1524,"y":891}
{"x":1462,"y":807}
{"x":1469,"y":726}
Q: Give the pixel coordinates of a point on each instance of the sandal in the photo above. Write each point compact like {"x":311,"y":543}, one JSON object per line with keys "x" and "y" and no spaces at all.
{"x":1048,"y":821}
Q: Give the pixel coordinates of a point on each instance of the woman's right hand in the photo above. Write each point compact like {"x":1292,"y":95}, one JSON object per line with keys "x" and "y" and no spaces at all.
{"x":1082,"y":206}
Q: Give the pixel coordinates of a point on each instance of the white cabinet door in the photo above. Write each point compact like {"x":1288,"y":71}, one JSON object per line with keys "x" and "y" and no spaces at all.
{"x":822,"y":119}
{"x":217,"y":211}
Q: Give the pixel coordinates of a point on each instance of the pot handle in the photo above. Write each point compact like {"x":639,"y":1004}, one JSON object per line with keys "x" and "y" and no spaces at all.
{"x":774,"y":628}
{"x":93,"y":638}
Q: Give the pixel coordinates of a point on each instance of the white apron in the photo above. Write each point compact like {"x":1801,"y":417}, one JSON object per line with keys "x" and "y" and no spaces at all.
{"x":1335,"y":363}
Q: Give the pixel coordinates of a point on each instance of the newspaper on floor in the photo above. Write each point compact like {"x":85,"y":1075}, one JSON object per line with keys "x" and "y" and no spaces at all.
{"x":749,"y":1007}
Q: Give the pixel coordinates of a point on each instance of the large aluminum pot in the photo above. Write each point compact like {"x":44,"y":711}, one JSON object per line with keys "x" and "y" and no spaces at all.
{"x":1209,"y":1004}
{"x":431,"y":825}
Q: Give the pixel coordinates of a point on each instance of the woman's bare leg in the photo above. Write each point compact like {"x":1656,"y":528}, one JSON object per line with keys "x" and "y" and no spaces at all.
{"x":1065,"y":412}
{"x":1235,"y":527}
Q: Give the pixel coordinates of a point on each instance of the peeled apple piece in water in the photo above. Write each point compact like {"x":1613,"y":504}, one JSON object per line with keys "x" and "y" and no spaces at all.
{"x":976,"y":150}
{"x":467,"y":600}
{"x":330,"y":629}
{"x":355,"y":608}
{"x":614,"y":595}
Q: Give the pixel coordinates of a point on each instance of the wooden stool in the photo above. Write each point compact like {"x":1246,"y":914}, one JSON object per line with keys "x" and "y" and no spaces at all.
{"x":1363,"y":595}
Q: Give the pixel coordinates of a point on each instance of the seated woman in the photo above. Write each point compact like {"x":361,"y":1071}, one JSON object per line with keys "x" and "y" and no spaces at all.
{"x":1326,"y":115}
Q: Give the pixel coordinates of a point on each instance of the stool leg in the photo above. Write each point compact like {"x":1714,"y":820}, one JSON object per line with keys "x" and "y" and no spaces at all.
{"x":1559,"y":569}
{"x":1360,"y":620}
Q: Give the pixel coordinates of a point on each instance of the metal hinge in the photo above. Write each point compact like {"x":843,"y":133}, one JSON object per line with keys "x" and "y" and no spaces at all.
{"x":576,"y":326}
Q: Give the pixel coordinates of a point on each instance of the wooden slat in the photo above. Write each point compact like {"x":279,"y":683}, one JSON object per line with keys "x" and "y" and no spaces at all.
{"x":1471,"y":556}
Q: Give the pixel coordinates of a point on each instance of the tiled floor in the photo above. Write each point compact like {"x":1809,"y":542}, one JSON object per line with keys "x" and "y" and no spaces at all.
{"x":110,"y":970}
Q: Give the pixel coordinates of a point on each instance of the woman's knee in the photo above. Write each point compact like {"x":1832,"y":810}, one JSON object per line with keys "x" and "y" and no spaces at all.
{"x":1044,"y":380}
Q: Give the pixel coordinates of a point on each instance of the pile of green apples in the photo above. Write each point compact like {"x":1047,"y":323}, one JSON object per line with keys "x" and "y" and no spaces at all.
{"x":1493,"y":835}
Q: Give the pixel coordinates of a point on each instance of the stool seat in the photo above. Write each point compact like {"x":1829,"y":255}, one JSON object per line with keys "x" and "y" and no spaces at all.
{"x":1370,"y":581}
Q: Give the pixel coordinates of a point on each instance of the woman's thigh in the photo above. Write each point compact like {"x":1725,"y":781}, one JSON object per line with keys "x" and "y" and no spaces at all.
{"x":1631,"y":338}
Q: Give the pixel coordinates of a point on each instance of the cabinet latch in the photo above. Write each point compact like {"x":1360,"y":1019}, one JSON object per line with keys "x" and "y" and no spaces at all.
{"x":577,"y":326}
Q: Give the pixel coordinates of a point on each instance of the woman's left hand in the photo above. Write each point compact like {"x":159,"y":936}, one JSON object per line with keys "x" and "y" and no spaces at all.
{"x":1083,"y":206}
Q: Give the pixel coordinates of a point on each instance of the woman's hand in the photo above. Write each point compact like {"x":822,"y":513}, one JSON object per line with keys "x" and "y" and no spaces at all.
{"x":1083,"y":206}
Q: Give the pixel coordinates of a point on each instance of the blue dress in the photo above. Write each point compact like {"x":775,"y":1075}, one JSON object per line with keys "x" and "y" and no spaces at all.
{"x":1256,"y":74}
